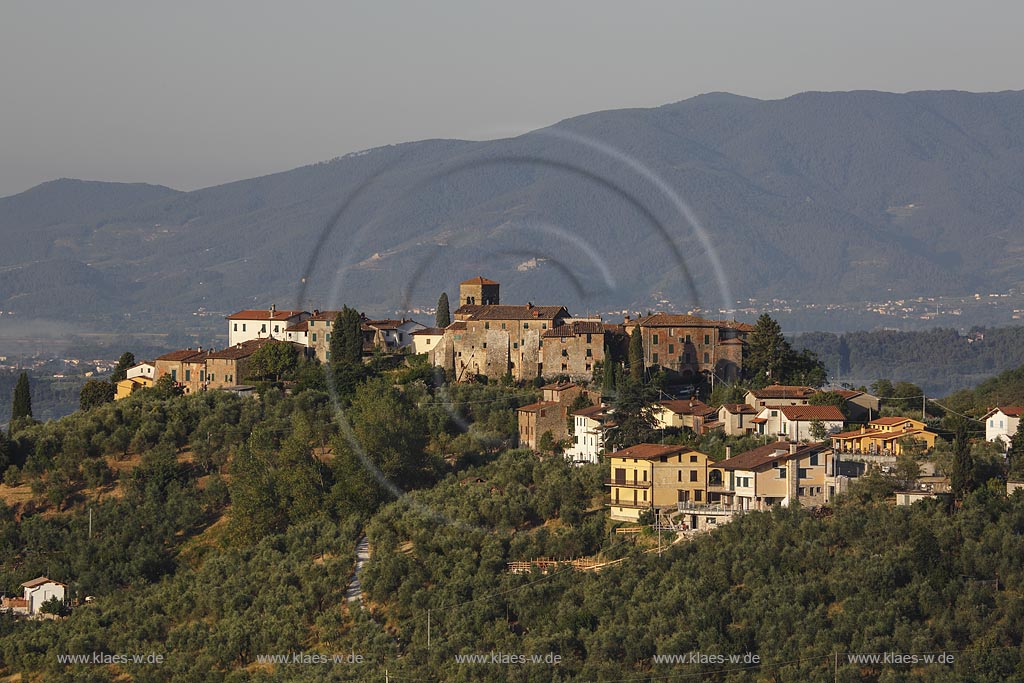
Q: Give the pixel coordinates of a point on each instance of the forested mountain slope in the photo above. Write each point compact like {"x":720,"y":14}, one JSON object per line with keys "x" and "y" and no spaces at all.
{"x":819,"y":196}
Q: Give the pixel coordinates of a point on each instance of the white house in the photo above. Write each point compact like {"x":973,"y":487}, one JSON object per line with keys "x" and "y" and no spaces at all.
{"x":391,"y":334}
{"x":38,"y":591}
{"x":144,"y":369}
{"x":1002,"y":423}
{"x":424,"y":341}
{"x":794,"y":422}
{"x":261,"y":324}
{"x":298,"y":333}
{"x":588,"y":434}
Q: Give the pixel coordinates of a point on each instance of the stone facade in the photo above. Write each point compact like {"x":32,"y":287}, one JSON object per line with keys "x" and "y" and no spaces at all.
{"x":479,"y":291}
{"x":693,"y":347}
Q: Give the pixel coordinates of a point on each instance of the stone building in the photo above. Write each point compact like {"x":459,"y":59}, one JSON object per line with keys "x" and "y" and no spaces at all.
{"x":573,"y":348}
{"x":692,"y":347}
{"x":495,"y":340}
{"x":479,"y":291}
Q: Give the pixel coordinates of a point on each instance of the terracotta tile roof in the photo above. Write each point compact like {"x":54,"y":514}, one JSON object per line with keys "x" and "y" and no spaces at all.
{"x":650,"y":451}
{"x":264,"y":314}
{"x":558,"y":386}
{"x":739,"y":408}
{"x":503,"y":312}
{"x":457,"y":326}
{"x":687,"y":407}
{"x":478,"y":280}
{"x":428,"y":330}
{"x":1012,"y":411}
{"x":245,"y":349}
{"x":384,"y":324}
{"x":889,"y":421}
{"x":534,"y":407}
{"x":674,"y":320}
{"x":576,"y":328}
{"x":595,"y":412}
{"x":680,"y":320}
{"x":610,"y":328}
{"x":298,"y":327}
{"x":733,"y":342}
{"x":469,"y":309}
{"x":759,"y":420}
{"x":846,"y":393}
{"x":39,"y":582}
{"x":806,"y":413}
{"x":183,"y":354}
{"x":325,"y":315}
{"x":783,"y":391}
{"x":767,"y":454}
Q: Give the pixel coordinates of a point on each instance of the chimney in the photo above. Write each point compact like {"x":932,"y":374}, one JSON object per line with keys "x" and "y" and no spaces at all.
{"x":626,"y":320}
{"x":728,"y":452}
{"x":273,"y":309}
{"x":792,"y":448}
{"x":863,"y":429}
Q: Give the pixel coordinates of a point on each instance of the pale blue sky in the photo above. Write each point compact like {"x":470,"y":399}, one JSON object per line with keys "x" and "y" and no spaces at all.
{"x":190,"y":94}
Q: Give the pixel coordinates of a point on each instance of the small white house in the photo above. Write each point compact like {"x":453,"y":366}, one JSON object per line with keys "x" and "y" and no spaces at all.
{"x":588,"y":434}
{"x":144,"y":369}
{"x":1002,"y":423}
{"x":794,"y":422}
{"x":38,"y":591}
{"x":424,"y":341}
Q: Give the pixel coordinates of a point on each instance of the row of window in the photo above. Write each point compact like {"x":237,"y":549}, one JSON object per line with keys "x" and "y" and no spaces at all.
{"x":654,"y":339}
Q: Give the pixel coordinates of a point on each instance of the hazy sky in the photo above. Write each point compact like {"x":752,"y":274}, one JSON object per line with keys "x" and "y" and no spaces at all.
{"x":191,"y":94}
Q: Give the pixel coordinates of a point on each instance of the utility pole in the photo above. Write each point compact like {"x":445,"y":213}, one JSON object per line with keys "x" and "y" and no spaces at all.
{"x":924,"y":399}
{"x":428,"y":630}
{"x":90,"y":523}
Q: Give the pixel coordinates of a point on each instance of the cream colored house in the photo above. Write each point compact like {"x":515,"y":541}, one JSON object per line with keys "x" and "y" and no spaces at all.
{"x":795,"y":422}
{"x":777,"y":473}
{"x":1002,"y":423}
{"x":737,"y":419}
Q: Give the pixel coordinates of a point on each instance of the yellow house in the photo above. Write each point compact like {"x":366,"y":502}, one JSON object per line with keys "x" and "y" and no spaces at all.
{"x":883,"y":436}
{"x":127,"y":387}
{"x":652,"y":476}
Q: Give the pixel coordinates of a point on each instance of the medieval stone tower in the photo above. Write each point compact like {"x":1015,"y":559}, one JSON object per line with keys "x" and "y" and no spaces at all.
{"x":478,"y":291}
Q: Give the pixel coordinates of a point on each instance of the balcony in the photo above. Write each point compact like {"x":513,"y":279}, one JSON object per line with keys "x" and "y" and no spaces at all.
{"x":627,"y":483}
{"x":609,"y":501}
{"x":707,"y":508}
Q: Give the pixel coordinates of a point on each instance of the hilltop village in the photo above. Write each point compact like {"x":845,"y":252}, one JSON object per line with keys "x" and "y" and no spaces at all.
{"x":812,"y":441}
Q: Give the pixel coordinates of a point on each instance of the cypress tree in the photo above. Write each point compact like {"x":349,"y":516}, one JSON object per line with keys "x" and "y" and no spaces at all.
{"x":444,"y":315}
{"x":636,"y":355}
{"x":126,"y":360}
{"x":608,"y":381}
{"x":22,"y":403}
{"x":347,"y":338}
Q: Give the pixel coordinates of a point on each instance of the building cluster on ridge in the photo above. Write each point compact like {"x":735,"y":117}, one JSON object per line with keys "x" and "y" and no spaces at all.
{"x":485,"y":338}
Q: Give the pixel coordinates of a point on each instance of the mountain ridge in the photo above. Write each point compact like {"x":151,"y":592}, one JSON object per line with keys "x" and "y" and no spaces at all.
{"x":860,"y":194}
